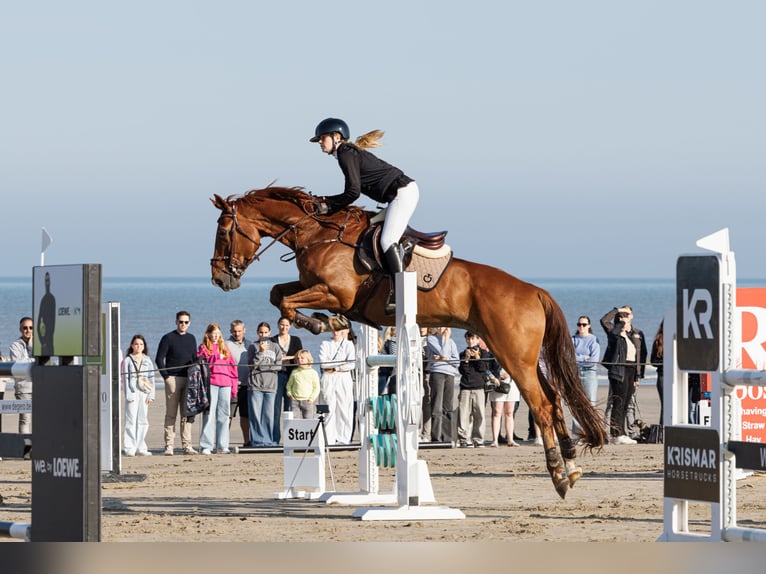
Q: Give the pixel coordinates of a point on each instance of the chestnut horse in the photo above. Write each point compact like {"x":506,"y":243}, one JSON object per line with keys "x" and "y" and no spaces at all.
{"x":519,"y":322}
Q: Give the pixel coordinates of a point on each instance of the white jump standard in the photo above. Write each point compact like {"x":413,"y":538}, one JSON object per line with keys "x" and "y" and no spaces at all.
{"x":702,"y":335}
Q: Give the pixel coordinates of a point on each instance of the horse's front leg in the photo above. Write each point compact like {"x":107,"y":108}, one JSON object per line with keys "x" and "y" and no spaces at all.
{"x":289,"y":297}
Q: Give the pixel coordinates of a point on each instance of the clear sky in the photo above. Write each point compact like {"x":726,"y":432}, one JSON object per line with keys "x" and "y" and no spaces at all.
{"x":552,"y":139}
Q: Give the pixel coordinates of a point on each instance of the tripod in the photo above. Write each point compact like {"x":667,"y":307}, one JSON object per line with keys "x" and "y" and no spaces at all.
{"x":320,"y":424}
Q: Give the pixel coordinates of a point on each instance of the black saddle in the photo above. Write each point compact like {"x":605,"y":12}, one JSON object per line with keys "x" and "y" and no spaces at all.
{"x":371,"y":256}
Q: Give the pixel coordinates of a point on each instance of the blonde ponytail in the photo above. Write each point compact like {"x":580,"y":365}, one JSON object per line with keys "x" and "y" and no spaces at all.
{"x":368,"y":140}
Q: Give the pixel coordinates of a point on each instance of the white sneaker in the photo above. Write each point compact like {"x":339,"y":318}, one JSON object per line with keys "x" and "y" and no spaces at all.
{"x":539,"y":441}
{"x":168,"y":451}
{"x":206,"y":451}
{"x":623,"y":439}
{"x":144,"y":453}
{"x":190,"y":450}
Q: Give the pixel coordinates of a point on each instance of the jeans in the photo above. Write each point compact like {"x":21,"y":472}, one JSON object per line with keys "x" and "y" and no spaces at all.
{"x":442,"y":397}
{"x":281,"y":403}
{"x":215,"y":421}
{"x":589,"y":379}
{"x":261,"y":415}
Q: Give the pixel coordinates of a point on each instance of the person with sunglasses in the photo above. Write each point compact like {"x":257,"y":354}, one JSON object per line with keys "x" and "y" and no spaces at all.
{"x":20,"y":351}
{"x":175,"y":354}
{"x":587,"y":353}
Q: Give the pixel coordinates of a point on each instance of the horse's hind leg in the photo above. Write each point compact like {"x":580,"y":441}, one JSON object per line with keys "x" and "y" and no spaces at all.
{"x":543,"y":412}
{"x":567,"y":446}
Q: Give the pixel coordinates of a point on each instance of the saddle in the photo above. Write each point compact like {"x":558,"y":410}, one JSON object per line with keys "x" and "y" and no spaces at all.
{"x":425,"y":253}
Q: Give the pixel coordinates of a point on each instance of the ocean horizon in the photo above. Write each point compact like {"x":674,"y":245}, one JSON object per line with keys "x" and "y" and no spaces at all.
{"x":148,"y":305}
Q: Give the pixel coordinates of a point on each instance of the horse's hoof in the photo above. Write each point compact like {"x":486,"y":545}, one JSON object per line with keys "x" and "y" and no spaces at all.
{"x":315,"y":326}
{"x":574,"y":476}
{"x":562,"y":486}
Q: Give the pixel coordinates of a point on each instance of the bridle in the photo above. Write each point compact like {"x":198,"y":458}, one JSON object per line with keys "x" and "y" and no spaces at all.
{"x":236,"y":267}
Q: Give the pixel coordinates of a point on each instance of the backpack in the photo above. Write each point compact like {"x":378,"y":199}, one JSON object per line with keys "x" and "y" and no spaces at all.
{"x":197,"y":397}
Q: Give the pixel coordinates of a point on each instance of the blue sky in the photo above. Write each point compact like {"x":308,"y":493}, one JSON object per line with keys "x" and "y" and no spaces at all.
{"x":552,"y":139}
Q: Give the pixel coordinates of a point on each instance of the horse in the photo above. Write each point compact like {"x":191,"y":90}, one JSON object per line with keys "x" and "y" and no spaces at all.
{"x":521,"y":323}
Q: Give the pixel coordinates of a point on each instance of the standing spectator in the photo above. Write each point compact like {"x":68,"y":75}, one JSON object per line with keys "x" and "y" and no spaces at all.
{"x":504,"y":405}
{"x":625,"y":359}
{"x":175,"y":354}
{"x":337,"y":357}
{"x":238,"y":345}
{"x":384,"y":373}
{"x":265,"y":356}
{"x":289,"y":345}
{"x":587,"y":353}
{"x":425,"y":418}
{"x":471,"y":399}
{"x":303,"y":386}
{"x":656,"y":358}
{"x":21,"y":352}
{"x":444,"y":359}
{"x":136,"y":364}
{"x":223,"y":384}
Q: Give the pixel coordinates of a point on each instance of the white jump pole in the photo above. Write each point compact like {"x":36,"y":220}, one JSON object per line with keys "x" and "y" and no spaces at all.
{"x":413,"y":483}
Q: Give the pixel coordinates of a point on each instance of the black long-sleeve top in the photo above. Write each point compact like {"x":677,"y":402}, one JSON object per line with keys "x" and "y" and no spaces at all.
{"x":175,"y":353}
{"x":365,"y":174}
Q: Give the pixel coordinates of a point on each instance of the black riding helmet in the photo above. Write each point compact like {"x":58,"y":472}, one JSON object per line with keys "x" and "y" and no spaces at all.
{"x":329,"y":126}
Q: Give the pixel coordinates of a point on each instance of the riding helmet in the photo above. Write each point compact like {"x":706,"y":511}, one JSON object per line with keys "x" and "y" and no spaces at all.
{"x":329,"y":126}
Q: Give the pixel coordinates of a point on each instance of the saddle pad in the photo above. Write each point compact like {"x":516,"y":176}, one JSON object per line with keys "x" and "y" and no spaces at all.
{"x":429,"y":269}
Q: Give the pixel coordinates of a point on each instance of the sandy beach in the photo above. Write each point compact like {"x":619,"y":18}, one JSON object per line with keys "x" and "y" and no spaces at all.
{"x":505,"y":493}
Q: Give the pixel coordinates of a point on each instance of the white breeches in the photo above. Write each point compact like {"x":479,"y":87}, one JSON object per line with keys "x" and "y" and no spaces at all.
{"x":398,"y":215}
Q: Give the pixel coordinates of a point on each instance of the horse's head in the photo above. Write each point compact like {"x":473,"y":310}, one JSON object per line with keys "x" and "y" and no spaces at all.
{"x":236,"y":244}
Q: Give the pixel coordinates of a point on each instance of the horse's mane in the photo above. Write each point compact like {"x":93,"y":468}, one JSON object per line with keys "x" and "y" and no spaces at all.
{"x":295,"y":195}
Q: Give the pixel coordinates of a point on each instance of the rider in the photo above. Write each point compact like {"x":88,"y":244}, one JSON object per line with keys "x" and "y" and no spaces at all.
{"x":367,"y":174}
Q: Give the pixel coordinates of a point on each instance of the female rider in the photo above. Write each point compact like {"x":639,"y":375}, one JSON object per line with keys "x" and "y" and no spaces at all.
{"x":367,"y":174}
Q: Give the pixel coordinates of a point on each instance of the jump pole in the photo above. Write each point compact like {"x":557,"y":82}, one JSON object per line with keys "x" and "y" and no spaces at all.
{"x":413,"y":483}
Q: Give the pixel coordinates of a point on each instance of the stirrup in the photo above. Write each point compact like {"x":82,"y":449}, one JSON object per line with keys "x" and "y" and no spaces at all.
{"x":389,"y":307}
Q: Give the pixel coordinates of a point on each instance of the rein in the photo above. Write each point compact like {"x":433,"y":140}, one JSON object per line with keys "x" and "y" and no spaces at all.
{"x":237,"y":268}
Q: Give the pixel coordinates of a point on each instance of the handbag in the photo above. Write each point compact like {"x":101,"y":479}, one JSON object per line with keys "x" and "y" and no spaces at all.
{"x":144,"y":384}
{"x":504,"y":387}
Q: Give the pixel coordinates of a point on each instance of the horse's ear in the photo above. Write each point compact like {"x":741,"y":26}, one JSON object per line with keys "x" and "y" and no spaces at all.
{"x":219,"y":202}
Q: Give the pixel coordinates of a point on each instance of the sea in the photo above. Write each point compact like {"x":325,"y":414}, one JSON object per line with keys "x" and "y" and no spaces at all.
{"x":148,"y":305}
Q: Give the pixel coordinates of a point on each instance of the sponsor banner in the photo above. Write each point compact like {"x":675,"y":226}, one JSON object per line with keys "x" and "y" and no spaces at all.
{"x":692,"y":464}
{"x":751,"y":304}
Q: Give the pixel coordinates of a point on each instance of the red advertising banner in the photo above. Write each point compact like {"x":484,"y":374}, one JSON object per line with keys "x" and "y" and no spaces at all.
{"x":751,"y":303}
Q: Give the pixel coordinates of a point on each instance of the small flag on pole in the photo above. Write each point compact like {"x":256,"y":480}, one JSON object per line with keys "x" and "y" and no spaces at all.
{"x":47,"y":240}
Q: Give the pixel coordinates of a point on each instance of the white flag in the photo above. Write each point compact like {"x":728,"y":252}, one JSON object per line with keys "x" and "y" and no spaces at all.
{"x":47,"y":240}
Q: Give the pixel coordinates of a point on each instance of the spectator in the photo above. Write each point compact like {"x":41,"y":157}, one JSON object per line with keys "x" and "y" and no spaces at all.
{"x":238,"y":345}
{"x":587,"y":354}
{"x":136,"y":364}
{"x":289,"y":345}
{"x":337,"y":357}
{"x":175,"y":353}
{"x":20,"y":351}
{"x":471,"y":399}
{"x":625,"y":359}
{"x":303,"y":386}
{"x":425,"y":418}
{"x":384,"y":373}
{"x":504,"y":405}
{"x":656,"y":358}
{"x":444,"y":359}
{"x":265,"y":356}
{"x":223,"y":384}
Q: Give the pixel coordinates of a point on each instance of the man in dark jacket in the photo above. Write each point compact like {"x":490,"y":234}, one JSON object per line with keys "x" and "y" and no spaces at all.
{"x":625,"y":361}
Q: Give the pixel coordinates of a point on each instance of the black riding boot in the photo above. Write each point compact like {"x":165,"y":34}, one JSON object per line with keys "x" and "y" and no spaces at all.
{"x":395,"y":264}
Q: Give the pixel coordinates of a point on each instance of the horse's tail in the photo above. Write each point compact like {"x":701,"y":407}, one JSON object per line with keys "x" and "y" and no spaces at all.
{"x":563,"y":375}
